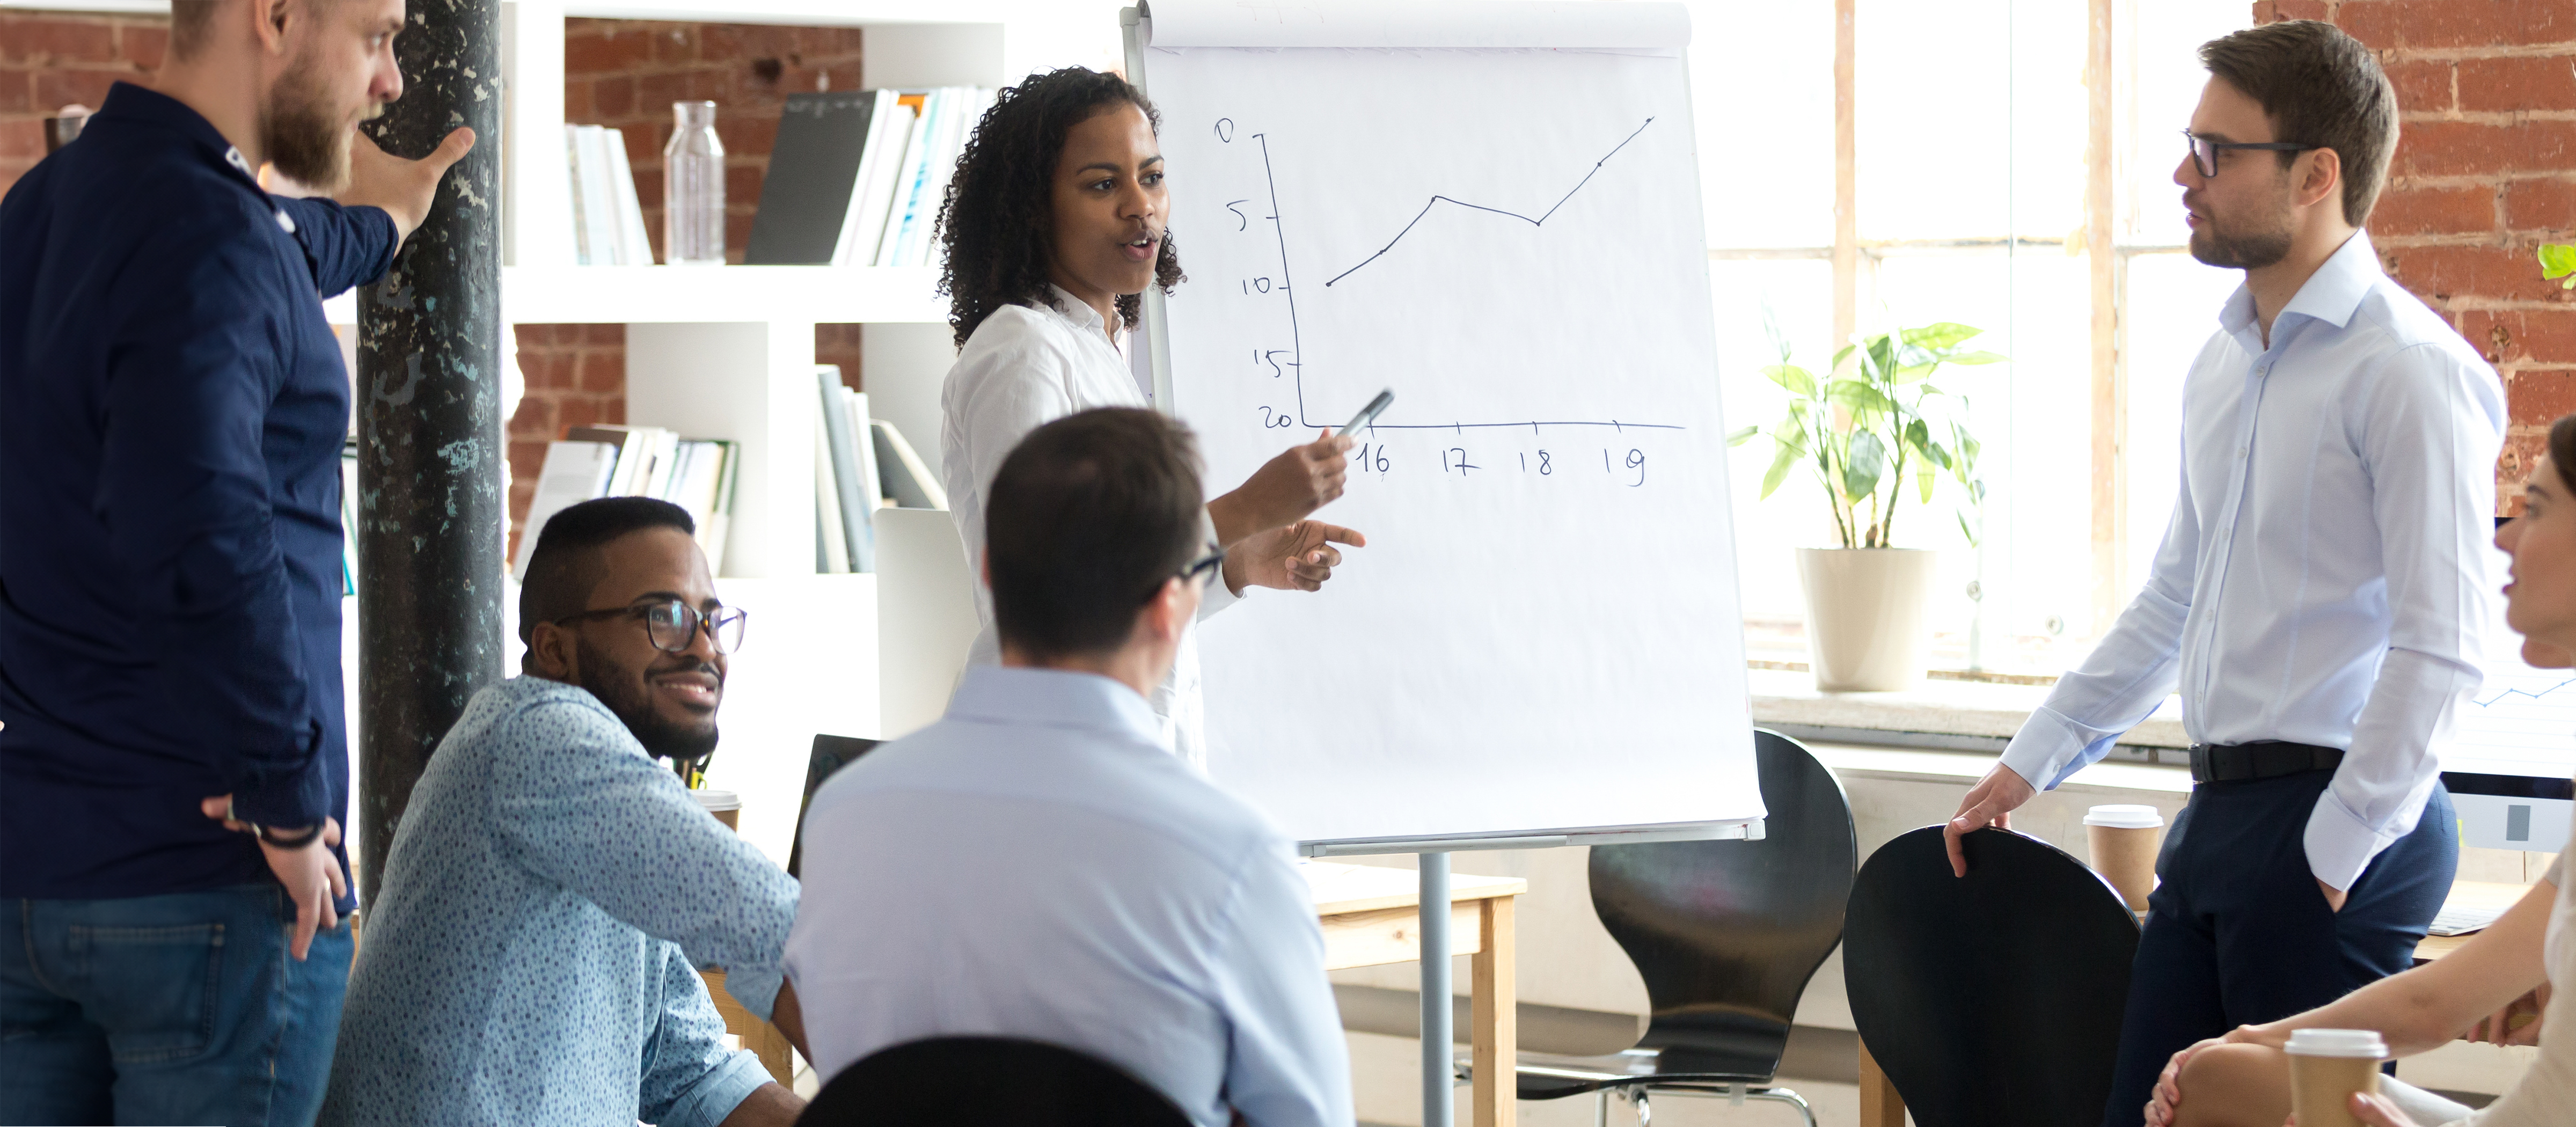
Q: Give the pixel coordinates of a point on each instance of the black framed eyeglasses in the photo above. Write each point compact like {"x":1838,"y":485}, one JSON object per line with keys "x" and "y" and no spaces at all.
{"x":2204,"y":152}
{"x":672,"y":624}
{"x":1207,"y":565}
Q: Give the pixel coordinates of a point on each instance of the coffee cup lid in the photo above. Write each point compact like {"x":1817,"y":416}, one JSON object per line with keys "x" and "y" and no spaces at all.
{"x":2338,"y":1043}
{"x":717,"y":799}
{"x":2124,"y":817}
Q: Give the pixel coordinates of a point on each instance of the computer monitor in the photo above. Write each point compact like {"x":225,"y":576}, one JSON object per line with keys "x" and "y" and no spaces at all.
{"x":831,"y":753}
{"x":2509,"y":763}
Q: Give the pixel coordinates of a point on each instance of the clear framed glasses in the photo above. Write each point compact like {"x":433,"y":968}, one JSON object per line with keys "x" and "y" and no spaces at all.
{"x":672,"y":624}
{"x":2204,"y":152}
{"x":1207,"y":565}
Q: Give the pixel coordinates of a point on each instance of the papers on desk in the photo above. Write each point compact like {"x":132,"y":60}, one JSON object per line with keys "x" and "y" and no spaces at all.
{"x":2458,"y":919}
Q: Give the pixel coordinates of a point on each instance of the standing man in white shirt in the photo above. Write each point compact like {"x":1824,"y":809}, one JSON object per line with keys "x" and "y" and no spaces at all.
{"x":2320,"y":595}
{"x":1035,"y":864}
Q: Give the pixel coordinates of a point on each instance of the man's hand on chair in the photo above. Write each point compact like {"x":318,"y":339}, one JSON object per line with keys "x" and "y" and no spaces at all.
{"x":1989,"y":803}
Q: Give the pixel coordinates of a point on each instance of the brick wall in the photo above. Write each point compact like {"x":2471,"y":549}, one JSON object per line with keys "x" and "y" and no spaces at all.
{"x":52,"y":59}
{"x":2485,"y":172}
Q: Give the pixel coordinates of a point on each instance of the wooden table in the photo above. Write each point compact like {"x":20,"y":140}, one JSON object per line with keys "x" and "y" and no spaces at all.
{"x":1880,"y":1106}
{"x":1370,"y":917}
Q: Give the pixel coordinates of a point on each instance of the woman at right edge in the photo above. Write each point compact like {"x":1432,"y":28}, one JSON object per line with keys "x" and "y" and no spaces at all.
{"x":1053,"y":227}
{"x":2509,"y":984}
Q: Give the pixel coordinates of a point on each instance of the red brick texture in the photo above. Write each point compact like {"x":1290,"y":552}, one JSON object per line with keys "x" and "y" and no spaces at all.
{"x":52,"y":59}
{"x":2485,"y":172}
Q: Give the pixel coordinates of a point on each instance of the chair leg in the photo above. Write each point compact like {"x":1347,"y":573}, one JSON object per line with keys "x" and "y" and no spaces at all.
{"x":1784,"y":1095}
{"x":1601,"y":1108}
{"x":1645,"y":1110}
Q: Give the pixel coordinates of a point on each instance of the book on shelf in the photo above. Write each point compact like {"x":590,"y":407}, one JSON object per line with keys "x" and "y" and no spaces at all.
{"x":831,"y":545}
{"x":814,"y":169}
{"x":851,"y":501}
{"x":696,"y":474}
{"x":908,"y":481}
{"x":857,"y":177}
{"x":608,"y":217}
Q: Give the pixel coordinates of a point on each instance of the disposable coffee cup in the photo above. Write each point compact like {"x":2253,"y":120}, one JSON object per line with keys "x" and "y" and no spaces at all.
{"x":2124,"y":841}
{"x":2326,"y":1067}
{"x":724,"y":804}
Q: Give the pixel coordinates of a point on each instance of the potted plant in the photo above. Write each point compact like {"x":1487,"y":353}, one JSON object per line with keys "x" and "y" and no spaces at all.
{"x":1873,"y":428}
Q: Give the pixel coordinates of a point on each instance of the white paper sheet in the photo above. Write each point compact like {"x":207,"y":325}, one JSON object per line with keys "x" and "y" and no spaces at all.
{"x":1543,"y":632}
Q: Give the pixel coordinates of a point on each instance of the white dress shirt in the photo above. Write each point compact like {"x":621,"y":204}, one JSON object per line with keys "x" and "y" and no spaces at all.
{"x":1023,"y":368}
{"x":1035,"y":865}
{"x":2324,"y":579}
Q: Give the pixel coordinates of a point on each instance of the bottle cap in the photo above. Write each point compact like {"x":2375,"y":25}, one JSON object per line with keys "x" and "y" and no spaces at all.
{"x":714,"y":800}
{"x":2338,"y":1043}
{"x":2124,"y":817}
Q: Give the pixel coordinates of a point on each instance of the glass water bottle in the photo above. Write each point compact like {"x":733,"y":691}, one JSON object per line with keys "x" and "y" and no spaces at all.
{"x":693,"y":202}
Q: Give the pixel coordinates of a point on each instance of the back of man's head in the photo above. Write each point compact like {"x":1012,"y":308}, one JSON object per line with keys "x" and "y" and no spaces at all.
{"x":2320,"y":87}
{"x":1085,"y":521}
{"x":568,"y":561}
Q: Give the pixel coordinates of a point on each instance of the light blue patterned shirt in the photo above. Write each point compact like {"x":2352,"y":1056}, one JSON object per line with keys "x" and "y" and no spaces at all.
{"x":529,"y":958}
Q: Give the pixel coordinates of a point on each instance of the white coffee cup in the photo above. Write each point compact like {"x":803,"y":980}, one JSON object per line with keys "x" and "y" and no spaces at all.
{"x":2326,"y":1067}
{"x":2124,"y":839}
{"x":724,"y":804}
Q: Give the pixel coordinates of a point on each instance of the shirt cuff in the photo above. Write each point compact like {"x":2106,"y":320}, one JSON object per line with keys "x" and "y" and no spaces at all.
{"x":2339,"y":845}
{"x":288,"y":802}
{"x":2049,"y":747}
{"x":1217,"y":597}
{"x":716,"y":1094}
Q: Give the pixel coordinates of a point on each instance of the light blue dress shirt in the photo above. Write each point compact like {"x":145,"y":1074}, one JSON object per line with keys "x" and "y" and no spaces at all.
{"x":1036,"y":865}
{"x":2324,"y":580}
{"x":530,"y":957}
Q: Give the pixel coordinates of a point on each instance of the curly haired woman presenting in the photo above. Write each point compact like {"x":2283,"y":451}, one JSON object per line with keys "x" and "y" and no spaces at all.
{"x":1054,"y":226}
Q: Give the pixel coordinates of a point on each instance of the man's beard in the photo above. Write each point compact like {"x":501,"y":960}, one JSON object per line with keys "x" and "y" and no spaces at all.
{"x":302,"y":137}
{"x":2238,"y":250}
{"x":631,"y":699}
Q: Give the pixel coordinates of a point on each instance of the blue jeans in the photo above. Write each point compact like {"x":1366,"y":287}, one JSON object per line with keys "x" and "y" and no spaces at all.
{"x":2239,"y":934}
{"x":184,"y":1008}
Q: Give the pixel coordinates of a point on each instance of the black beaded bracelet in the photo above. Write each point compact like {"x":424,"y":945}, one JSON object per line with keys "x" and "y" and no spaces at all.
{"x":274,"y":840}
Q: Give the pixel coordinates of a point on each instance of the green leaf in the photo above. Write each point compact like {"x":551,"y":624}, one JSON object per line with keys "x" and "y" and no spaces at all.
{"x":1780,"y":463}
{"x":2557,"y":260}
{"x":1840,"y":356}
{"x":1793,"y":377}
{"x":1859,"y":396}
{"x":1965,"y":529}
{"x":1924,"y":478}
{"x":1741,"y":437}
{"x":1978,"y":357}
{"x":1882,"y":356}
{"x":1940,"y":335}
{"x":1868,"y":461}
{"x":1914,"y":373}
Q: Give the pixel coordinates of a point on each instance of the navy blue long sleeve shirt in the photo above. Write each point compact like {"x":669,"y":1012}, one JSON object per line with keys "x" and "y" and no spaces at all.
{"x":172,"y":407}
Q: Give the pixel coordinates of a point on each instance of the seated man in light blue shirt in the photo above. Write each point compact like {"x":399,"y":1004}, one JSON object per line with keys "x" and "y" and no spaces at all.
{"x":530,"y":958}
{"x":1036,"y":864}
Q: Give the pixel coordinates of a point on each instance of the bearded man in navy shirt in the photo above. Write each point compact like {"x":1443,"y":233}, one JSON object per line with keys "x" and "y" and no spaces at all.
{"x":170,"y":570}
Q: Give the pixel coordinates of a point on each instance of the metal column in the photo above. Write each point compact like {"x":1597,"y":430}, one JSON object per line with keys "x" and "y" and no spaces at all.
{"x":431,"y":515}
{"x":1439,"y":1094}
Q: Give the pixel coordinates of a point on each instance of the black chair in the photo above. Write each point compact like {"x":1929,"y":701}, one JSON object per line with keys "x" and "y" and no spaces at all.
{"x":1726,"y":935}
{"x":1993,"y":1000}
{"x":1017,"y":1084}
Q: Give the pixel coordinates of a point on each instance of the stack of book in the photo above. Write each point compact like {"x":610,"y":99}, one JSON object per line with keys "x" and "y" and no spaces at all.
{"x":860,"y":465}
{"x":607,"y":219}
{"x":696,"y":474}
{"x":856,"y":177}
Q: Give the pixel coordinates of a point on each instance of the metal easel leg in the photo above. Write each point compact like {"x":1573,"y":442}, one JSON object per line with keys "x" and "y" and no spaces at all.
{"x":1439,"y":1094}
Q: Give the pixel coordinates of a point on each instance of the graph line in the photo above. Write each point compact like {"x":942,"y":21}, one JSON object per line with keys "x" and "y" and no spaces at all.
{"x":1297,"y":344}
{"x":1541,"y":221}
{"x":2524,"y":693}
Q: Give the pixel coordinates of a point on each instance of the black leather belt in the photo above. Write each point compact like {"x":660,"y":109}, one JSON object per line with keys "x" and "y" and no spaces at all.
{"x":2263,"y":759}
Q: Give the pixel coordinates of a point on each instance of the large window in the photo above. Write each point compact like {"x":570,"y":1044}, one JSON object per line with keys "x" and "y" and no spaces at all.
{"x":1976,"y":189}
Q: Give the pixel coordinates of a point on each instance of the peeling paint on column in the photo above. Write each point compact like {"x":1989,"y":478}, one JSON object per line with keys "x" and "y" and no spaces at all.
{"x":429,"y":476}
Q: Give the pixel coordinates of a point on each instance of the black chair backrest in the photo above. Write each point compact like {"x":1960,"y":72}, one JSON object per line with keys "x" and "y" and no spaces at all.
{"x":830,"y":754}
{"x":1727,"y":933}
{"x":1992,"y":1000}
{"x":988,"y":1082}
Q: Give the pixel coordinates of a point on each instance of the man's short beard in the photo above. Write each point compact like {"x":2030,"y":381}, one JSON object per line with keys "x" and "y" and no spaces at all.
{"x":633,"y":704}
{"x":302,"y":137}
{"x":2242,"y":250}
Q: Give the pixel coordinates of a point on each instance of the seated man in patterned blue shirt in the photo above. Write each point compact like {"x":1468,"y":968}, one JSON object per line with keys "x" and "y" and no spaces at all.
{"x":530,"y":957}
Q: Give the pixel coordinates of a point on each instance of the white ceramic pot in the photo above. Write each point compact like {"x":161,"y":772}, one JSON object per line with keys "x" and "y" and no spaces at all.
{"x":1866,"y":628}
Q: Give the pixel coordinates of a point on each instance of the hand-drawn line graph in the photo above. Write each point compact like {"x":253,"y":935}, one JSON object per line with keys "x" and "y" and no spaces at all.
{"x":1296,"y":344}
{"x":1541,"y":221}
{"x":2526,"y":694}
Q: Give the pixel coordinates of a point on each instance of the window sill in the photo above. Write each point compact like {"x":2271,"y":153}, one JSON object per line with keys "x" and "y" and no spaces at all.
{"x":1957,"y":716}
